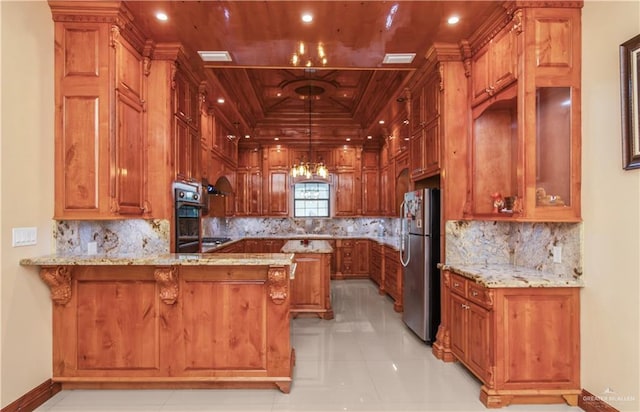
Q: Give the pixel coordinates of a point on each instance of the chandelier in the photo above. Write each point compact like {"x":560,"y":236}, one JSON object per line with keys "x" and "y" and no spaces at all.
{"x":310,"y":170}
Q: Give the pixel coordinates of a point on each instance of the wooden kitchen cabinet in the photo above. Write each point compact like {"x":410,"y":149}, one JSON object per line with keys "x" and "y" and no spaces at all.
{"x":347,"y":193}
{"x":376,"y":267}
{"x":525,"y":143}
{"x":523,"y":343}
{"x":352,"y":258}
{"x":101,"y":68}
{"x":249,"y":183}
{"x":393,"y":277}
{"x":424,"y":144}
{"x":276,"y":181}
{"x":142,"y":326}
{"x":494,"y":67}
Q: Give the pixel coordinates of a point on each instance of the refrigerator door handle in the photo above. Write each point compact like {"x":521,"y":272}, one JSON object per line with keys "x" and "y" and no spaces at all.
{"x":403,"y":236}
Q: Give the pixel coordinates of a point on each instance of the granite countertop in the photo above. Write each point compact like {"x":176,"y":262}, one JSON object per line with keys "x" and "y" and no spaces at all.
{"x":393,"y":241}
{"x":168,"y":259}
{"x":509,"y":276}
{"x":311,"y":246}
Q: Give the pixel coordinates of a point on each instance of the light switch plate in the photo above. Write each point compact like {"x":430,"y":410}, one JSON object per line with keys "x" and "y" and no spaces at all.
{"x":557,"y":254}
{"x":24,"y":236}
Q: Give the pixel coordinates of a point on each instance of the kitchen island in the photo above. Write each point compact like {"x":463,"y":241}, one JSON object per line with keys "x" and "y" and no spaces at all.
{"x":171,"y":320}
{"x":311,"y":290}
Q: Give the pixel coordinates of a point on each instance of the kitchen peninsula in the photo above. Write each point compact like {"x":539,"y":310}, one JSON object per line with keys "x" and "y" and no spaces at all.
{"x":170,"y":320}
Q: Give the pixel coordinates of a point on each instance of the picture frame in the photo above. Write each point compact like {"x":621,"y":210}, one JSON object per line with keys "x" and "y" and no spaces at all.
{"x":630,"y":94}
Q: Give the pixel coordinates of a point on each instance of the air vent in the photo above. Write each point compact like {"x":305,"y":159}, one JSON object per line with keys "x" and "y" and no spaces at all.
{"x":215,"y":56}
{"x":398,"y":58}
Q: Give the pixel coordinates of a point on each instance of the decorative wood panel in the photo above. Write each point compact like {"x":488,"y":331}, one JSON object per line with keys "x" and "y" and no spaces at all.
{"x":80,"y":163}
{"x":118,"y":324}
{"x":216,"y":316}
{"x":81,"y":47}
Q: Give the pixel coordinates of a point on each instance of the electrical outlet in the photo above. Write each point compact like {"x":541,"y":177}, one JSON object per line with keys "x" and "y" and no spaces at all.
{"x":24,"y":236}
{"x":557,"y":254}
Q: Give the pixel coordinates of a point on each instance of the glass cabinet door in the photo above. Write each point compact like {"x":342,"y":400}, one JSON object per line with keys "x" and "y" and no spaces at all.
{"x":553,"y":157}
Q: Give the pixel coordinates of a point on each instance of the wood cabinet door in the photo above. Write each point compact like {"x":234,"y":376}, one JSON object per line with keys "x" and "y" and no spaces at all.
{"x":307,"y":288}
{"x":130,"y":150}
{"x":479,"y":343}
{"x":361,"y":257}
{"x":254,"y":193}
{"x":503,"y":55}
{"x":416,"y":148}
{"x":277,"y":202}
{"x":182,"y":149}
{"x":346,"y":158}
{"x":458,"y":325}
{"x":276,"y":158}
{"x":431,"y":147}
{"x":242,"y":193}
{"x":345,"y":194}
{"x":480,"y":81}
{"x":371,"y":193}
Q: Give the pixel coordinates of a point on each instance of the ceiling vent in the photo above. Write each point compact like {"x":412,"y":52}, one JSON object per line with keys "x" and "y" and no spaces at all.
{"x":215,"y":56}
{"x":398,"y":58}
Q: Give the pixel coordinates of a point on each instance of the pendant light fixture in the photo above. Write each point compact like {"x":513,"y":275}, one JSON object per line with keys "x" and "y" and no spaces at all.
{"x":310,"y":170}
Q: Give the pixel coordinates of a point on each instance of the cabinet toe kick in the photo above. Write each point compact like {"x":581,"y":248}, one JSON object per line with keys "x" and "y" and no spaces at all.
{"x":492,"y":398}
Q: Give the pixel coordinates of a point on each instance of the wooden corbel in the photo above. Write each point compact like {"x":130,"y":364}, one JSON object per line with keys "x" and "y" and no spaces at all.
{"x":58,"y":278}
{"x":167,"y":279}
{"x":277,"y":279}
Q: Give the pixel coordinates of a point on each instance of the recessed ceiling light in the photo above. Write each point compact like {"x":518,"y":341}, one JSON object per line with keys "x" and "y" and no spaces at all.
{"x":276,"y":138}
{"x":348,"y":139}
{"x":381,"y":121}
{"x":162,"y":16}
{"x":307,"y":17}
{"x":214,"y":55}
{"x":453,"y":20}
{"x":398,"y":58}
{"x":246,"y":136}
{"x":221,"y":100}
{"x":369,"y":137}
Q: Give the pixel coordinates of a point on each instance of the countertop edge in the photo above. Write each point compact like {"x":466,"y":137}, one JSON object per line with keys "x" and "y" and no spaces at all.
{"x":169,"y":259}
{"x":507,"y":276}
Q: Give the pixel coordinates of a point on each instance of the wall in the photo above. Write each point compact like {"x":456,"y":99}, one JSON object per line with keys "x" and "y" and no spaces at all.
{"x":611,"y":214}
{"x":26,"y":169}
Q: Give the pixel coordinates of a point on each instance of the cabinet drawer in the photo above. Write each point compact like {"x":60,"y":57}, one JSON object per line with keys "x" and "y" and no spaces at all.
{"x":346,"y":243}
{"x":478,"y":294}
{"x":458,"y":285}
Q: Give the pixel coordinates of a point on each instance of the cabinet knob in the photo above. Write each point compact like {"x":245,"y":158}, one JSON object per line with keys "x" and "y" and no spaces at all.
{"x":474,"y":293}
{"x":456,"y":285}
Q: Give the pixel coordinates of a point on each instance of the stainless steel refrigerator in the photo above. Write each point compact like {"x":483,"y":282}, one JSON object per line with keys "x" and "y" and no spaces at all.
{"x":419,"y":254}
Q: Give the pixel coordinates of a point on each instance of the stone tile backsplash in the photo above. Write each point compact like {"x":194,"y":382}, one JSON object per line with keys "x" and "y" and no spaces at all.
{"x":336,"y":227}
{"x":137,"y":236}
{"x":521,"y":244}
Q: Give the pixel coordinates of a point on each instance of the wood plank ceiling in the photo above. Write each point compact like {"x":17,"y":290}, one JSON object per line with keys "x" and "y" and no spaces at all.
{"x":267,"y":96}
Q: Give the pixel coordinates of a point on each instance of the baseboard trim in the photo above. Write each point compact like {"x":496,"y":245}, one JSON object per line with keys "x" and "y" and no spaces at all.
{"x":34,"y":398}
{"x":591,"y":403}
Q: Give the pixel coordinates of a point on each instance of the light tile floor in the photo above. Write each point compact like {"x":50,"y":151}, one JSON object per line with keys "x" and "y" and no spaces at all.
{"x":364,"y":360}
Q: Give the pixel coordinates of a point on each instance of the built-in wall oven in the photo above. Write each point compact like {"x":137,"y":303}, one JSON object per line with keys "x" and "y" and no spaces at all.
{"x":188,"y":209}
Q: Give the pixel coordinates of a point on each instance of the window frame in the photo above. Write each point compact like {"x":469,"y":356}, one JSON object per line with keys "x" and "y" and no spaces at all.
{"x":327,"y":200}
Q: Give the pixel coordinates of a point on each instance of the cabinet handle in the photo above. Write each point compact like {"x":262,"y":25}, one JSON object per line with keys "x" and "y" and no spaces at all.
{"x":474,"y":293}
{"x":456,"y":285}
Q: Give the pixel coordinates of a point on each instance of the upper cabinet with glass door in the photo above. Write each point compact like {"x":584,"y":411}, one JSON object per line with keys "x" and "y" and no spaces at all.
{"x":525,"y":138}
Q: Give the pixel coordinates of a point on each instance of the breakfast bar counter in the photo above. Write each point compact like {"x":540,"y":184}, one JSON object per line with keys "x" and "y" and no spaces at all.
{"x":170,"y":320}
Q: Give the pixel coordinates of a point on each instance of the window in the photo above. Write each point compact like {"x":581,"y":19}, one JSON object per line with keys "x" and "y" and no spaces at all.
{"x":311,"y":200}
